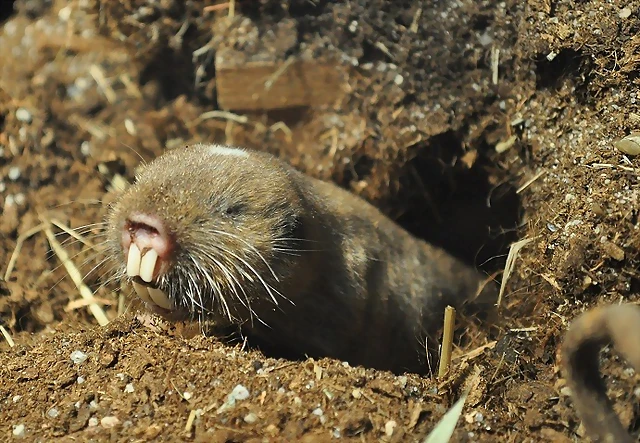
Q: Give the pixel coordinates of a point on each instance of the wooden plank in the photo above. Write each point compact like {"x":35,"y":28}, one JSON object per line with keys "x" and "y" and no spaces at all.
{"x":261,"y":82}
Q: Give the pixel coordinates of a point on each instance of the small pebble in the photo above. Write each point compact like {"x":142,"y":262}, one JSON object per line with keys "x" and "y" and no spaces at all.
{"x":20,"y":199}
{"x":129,"y":388}
{"x":630,"y":144}
{"x":469,"y":418}
{"x":53,"y":413}
{"x":109,"y":422}
{"x":14,"y":173}
{"x":130,"y":127}
{"x":85,"y":148}
{"x":479,"y":418}
{"x":93,"y":422}
{"x":485,"y":39}
{"x":64,"y":14}
{"x":78,"y":357}
{"x":23,"y":115}
{"x":271,"y":429}
{"x":18,"y":431}
{"x":356,"y":393}
{"x":16,"y":398}
{"x":389,"y":427}
{"x":566,"y":391}
{"x":624,"y":13}
{"x":398,"y":79}
{"x":93,"y":406}
{"x":250,"y":418}
{"x":240,"y":393}
{"x":80,"y":380}
{"x":318,"y":412}
{"x":187,"y":395}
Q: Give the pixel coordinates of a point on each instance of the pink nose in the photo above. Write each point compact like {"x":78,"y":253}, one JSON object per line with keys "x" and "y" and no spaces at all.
{"x":146,"y":232}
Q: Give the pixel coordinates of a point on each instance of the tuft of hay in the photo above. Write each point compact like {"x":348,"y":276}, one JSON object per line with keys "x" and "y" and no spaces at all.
{"x":16,"y":251}
{"x":514,"y":250}
{"x":94,"y":308}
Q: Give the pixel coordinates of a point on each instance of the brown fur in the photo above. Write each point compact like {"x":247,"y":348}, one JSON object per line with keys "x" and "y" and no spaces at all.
{"x":588,"y":334}
{"x":360,"y":288}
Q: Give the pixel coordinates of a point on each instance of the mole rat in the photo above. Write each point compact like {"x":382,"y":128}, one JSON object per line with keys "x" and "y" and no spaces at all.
{"x":299,"y":264}
{"x":618,"y":325}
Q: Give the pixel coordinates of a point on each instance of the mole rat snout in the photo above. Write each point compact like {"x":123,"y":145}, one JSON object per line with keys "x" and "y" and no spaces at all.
{"x":147,"y":245}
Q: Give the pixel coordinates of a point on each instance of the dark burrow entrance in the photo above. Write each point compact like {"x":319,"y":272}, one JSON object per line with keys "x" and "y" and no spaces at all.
{"x":471,"y":210}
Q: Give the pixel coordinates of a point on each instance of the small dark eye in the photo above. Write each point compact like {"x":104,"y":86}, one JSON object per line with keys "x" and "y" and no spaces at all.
{"x":234,"y":210}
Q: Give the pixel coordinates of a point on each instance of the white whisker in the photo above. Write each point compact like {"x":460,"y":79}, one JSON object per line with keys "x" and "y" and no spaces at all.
{"x":252,"y":248}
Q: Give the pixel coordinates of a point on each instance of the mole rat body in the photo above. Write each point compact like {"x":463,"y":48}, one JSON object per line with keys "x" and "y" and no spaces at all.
{"x":299,"y":264}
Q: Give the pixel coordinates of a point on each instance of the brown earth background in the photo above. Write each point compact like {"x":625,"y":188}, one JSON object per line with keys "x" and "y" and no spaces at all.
{"x":475,"y":124}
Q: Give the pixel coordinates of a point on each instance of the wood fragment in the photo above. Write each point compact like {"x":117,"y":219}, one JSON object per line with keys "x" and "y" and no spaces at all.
{"x":416,"y":20}
{"x":218,"y":7}
{"x":122,"y":303}
{"x":83,"y":303}
{"x":530,"y":181}
{"x":192,"y":416}
{"x":276,"y":75}
{"x":103,"y":84}
{"x":447,"y":341}
{"x":253,"y":83}
{"x":7,"y":336}
{"x":495,"y":63}
{"x":224,"y":115}
{"x":477,"y":351}
{"x":282,"y":126}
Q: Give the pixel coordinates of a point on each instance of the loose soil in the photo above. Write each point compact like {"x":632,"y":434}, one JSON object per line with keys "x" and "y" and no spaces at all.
{"x":475,"y":124}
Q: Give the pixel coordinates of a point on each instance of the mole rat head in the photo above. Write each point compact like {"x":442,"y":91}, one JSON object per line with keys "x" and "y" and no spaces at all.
{"x":208,"y":229}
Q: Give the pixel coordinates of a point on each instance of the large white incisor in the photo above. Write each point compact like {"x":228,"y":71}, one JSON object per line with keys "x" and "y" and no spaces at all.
{"x":143,"y":266}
